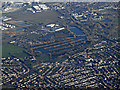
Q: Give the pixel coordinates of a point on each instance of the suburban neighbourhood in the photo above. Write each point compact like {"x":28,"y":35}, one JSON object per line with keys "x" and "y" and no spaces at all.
{"x":60,"y":45}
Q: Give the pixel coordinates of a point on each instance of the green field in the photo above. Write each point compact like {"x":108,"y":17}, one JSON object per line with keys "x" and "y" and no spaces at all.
{"x":45,"y":17}
{"x":44,"y":58}
{"x":9,"y":50}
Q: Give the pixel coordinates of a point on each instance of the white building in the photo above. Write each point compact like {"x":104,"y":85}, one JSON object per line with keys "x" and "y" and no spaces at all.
{"x":37,"y":7}
{"x":59,"y":29}
{"x":50,"y":25}
{"x":30,"y":9}
{"x":43,"y":6}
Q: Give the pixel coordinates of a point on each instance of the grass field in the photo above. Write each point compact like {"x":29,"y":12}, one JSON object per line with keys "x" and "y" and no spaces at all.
{"x":44,"y":58}
{"x":45,"y":17}
{"x":9,"y":50}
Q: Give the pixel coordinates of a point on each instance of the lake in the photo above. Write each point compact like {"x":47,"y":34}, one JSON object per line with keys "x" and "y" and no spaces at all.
{"x":75,"y":30}
{"x":106,"y":20}
{"x":20,"y":29}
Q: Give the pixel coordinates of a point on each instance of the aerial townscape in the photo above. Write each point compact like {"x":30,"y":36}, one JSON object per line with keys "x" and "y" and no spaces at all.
{"x":60,"y":45}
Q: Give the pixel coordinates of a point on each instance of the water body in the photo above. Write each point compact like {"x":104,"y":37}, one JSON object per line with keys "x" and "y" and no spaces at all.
{"x":24,"y":24}
{"x":21,"y":24}
{"x":76,"y":31}
{"x":20,"y":29}
{"x":106,"y":20}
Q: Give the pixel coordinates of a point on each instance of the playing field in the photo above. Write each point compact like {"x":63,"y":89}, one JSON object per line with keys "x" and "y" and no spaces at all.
{"x":11,"y":50}
{"x":45,"y":17}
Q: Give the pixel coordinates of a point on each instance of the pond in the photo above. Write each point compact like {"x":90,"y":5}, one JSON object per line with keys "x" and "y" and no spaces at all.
{"x":20,"y":29}
{"x":75,"y":30}
{"x":106,"y":20}
{"x":22,"y":24}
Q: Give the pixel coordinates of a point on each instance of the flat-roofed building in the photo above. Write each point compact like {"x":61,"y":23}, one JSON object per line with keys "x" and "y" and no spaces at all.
{"x":43,"y":6}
